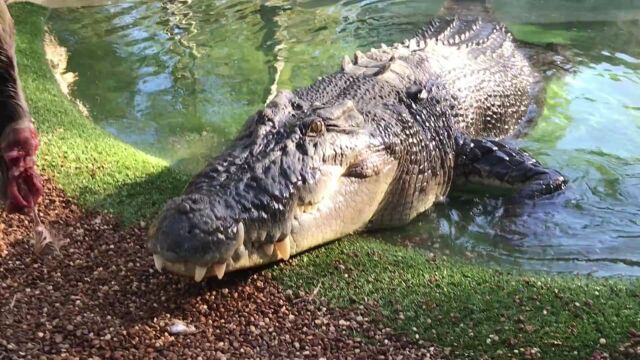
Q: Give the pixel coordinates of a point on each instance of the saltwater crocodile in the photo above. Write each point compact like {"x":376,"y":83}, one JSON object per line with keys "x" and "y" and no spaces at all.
{"x":368,"y":147}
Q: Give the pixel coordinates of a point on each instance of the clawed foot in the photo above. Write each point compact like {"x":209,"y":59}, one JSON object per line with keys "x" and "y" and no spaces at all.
{"x":546,"y":183}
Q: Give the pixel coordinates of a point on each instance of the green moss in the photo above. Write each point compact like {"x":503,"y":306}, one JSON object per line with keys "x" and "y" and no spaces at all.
{"x":464,"y":306}
{"x":93,"y":167}
{"x":474,"y":310}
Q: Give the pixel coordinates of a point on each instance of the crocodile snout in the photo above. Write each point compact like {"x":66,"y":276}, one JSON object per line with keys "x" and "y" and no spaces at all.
{"x":194,"y":238}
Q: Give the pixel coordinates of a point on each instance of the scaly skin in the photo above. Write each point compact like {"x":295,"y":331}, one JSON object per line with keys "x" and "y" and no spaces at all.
{"x":20,"y":184}
{"x":368,"y":147}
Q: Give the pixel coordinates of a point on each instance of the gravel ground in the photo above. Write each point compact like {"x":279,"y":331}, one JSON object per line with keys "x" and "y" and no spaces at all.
{"x":100,"y":298}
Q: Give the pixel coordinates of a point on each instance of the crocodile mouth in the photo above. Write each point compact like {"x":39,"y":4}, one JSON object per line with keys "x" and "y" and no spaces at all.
{"x":250,"y":250}
{"x":346,"y":206}
{"x":246,"y":255}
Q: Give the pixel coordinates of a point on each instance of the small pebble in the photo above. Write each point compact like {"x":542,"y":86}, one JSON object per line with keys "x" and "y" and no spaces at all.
{"x":180,"y":328}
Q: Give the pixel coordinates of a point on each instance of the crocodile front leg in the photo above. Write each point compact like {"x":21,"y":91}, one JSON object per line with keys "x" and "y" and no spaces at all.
{"x":492,"y":162}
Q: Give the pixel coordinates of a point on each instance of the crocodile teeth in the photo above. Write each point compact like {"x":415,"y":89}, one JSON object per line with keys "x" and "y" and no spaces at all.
{"x":286,"y":229}
{"x":240,"y":234}
{"x":346,"y":63}
{"x":219,"y":269}
{"x":261,"y":235}
{"x":199,"y":273}
{"x":157,"y":260}
{"x":283,"y":248}
{"x":268,"y":249}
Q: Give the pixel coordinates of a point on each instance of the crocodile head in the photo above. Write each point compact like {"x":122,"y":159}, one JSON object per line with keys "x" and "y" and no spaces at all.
{"x":297,"y":176}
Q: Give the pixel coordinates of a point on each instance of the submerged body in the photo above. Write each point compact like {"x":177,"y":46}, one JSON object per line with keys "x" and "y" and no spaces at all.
{"x":368,"y":147}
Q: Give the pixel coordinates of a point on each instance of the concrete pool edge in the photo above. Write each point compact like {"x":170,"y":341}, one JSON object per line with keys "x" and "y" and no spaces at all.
{"x":403,"y":287}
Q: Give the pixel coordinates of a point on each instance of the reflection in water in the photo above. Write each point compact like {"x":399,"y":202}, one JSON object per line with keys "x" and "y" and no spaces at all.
{"x":68,"y":3}
{"x":178,"y":79}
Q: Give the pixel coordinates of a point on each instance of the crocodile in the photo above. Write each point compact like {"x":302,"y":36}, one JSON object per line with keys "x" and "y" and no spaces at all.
{"x":368,"y":147}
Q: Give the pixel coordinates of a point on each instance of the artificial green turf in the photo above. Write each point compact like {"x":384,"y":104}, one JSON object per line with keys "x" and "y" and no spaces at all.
{"x":444,"y":301}
{"x":92,"y":166}
{"x":461,"y":306}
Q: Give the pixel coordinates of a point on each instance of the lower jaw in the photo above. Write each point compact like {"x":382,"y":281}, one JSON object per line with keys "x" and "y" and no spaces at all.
{"x":189,"y":269}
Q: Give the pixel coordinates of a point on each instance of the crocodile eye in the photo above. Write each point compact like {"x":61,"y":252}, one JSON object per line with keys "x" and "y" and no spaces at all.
{"x":316,"y":127}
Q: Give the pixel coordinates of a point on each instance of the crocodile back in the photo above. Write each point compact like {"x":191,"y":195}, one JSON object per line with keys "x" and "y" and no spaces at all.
{"x":477,"y":60}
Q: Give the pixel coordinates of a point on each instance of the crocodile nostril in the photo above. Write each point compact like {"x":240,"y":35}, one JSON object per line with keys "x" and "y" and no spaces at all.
{"x":184,"y":208}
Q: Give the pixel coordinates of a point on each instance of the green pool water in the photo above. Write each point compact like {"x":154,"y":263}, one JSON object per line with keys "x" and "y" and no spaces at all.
{"x":178,"y":79}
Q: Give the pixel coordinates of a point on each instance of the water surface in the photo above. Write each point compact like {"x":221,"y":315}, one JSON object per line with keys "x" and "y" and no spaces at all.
{"x":178,"y":78}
